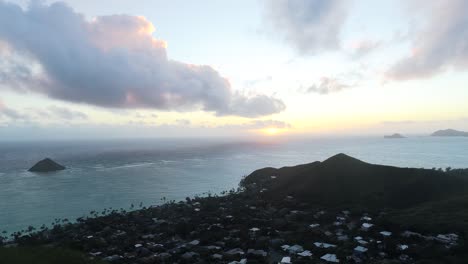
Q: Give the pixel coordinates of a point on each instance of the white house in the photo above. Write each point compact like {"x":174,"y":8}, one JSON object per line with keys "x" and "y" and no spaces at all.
{"x":386,"y":233}
{"x":360,"y":250}
{"x":314,"y":225}
{"x":402,"y":247}
{"x":447,"y":238}
{"x":366,"y":218}
{"x":366,"y":226}
{"x":330,"y":258}
{"x":323,"y":245}
{"x":305,"y":253}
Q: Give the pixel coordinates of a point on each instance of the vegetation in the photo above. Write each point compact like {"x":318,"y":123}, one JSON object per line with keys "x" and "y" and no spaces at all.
{"x":344,"y":181}
{"x":418,"y":198}
{"x":43,"y":255}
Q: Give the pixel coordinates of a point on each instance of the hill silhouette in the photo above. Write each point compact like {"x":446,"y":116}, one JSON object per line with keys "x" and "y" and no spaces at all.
{"x":46,"y":165}
{"x":393,"y":136}
{"x":346,"y":181}
{"x":449,"y":133}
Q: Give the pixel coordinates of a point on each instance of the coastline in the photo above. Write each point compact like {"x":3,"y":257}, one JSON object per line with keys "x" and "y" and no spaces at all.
{"x":245,"y":225}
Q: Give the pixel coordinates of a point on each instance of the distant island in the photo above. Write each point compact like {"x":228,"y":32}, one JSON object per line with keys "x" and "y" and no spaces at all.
{"x":396,"y":135}
{"x":449,"y":133}
{"x":46,"y":165}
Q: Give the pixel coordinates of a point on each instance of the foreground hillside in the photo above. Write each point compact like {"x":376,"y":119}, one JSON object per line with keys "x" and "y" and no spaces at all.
{"x":301,"y":214}
{"x":345,"y":181}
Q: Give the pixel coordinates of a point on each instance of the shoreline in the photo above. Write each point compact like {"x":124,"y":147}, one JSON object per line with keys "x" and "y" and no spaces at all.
{"x":270,"y":218}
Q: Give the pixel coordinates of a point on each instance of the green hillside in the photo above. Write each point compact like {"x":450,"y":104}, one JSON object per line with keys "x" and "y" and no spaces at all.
{"x":342,"y":180}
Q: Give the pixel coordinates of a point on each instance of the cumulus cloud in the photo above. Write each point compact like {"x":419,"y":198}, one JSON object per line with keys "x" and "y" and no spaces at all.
{"x":308,"y":25}
{"x":441,"y":45}
{"x":111,"y":61}
{"x":326,"y":85}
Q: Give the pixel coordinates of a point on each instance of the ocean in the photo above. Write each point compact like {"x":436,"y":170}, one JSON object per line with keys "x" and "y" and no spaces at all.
{"x":119,"y":173}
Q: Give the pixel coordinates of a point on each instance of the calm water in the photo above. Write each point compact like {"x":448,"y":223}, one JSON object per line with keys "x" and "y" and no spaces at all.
{"x":118,"y":173}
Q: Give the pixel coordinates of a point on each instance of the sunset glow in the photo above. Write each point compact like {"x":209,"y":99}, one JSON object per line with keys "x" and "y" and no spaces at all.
{"x":271,"y":131}
{"x":112,"y":71}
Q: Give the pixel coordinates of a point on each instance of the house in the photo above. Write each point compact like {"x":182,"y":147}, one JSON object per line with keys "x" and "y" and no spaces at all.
{"x":295,"y":249}
{"x":359,"y":250}
{"x":340,"y":218}
{"x":447,"y":238}
{"x":324,"y":245}
{"x":330,"y":258}
{"x":366,"y":218}
{"x":314,"y":225}
{"x":402,"y":247}
{"x":292,"y":249}
{"x":386,"y":233}
{"x":305,"y":253}
{"x":366,"y":226}
{"x":286,"y":260}
{"x":362,"y":242}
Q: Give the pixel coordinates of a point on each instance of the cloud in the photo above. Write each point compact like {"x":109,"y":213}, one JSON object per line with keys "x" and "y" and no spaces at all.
{"x":37,"y":115}
{"x":259,"y":124}
{"x":402,"y":122}
{"x":442,"y":44}
{"x":10,"y":113}
{"x":325,"y":86}
{"x":309,"y":26}
{"x":67,"y":114}
{"x":183,"y":122}
{"x":251,"y":83}
{"x":111,"y":61}
{"x":364,"y":47}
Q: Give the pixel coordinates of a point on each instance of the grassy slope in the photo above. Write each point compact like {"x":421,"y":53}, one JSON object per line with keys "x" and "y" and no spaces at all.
{"x":43,"y":255}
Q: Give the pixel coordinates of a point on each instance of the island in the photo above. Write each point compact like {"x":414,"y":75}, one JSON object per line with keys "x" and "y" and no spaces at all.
{"x":396,"y":135}
{"x":340,"y":210}
{"x":449,"y":133}
{"x":46,"y":165}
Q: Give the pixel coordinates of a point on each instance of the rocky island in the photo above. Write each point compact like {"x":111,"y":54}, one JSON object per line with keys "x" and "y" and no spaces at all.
{"x":46,"y":165}
{"x":449,"y":133}
{"x":341,"y":210}
{"x":396,"y":135}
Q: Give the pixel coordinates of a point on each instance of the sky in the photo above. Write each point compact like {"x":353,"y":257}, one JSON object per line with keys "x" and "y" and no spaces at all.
{"x":94,"y":69}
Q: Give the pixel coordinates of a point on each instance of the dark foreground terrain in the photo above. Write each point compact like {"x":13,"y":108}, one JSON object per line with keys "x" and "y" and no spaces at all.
{"x":340,"y":210}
